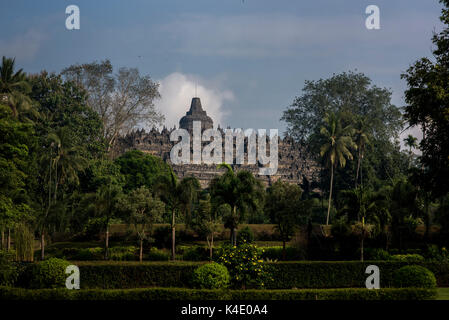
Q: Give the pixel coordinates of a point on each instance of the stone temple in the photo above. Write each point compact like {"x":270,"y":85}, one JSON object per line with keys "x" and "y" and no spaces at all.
{"x":294,"y":164}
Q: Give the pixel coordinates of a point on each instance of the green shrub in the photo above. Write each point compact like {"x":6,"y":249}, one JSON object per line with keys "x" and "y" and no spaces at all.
{"x":211,"y":276}
{"x":207,"y":294}
{"x":49,"y":273}
{"x":86,"y":254}
{"x":8,"y":269}
{"x":377,"y":254}
{"x":196,"y":253}
{"x":414,"y":276}
{"x":244,"y":265}
{"x":245,"y":235}
{"x":123,"y":253}
{"x":285,"y":275}
{"x":156,"y":254}
{"x":410,"y":257}
{"x":275,"y":253}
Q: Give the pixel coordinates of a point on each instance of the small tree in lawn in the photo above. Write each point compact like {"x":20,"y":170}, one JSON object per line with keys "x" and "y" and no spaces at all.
{"x":285,"y":207}
{"x":206,"y":221}
{"x":142,"y":211}
{"x":106,"y":206}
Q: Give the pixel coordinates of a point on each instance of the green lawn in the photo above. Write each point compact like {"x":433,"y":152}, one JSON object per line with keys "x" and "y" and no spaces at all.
{"x":443,"y":294}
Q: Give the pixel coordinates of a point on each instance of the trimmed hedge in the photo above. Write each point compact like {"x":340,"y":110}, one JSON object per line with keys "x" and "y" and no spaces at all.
{"x":286,"y":275}
{"x":204,"y":294}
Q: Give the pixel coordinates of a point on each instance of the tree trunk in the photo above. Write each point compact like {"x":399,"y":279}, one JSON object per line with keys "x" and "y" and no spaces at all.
{"x":173,"y":237}
{"x":361,"y":248}
{"x":330,"y":195}
{"x":358,"y":169}
{"x":212,"y":247}
{"x":141,"y":250}
{"x":106,"y":244}
{"x":283,"y":250}
{"x":8,"y":244}
{"x":42,"y":245}
{"x":3,"y":239}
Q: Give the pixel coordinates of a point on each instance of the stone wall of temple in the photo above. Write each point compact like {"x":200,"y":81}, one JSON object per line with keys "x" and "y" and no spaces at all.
{"x":293,"y":161}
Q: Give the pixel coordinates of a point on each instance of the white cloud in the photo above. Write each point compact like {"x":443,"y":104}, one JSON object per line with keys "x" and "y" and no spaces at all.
{"x":24,"y":46}
{"x":178,"y":89}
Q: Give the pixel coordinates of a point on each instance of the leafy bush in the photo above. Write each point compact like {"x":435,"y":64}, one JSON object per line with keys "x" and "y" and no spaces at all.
{"x":245,"y":235}
{"x":407,"y":257}
{"x":123,"y":253}
{"x":244,"y":264}
{"x":156,"y":254}
{"x":414,"y":276}
{"x":377,"y":254}
{"x":211,"y":276}
{"x":8,"y":269}
{"x":196,"y":253}
{"x":275,"y":253}
{"x":207,"y":294}
{"x":49,"y":273}
{"x":86,"y":254}
{"x":435,"y":254}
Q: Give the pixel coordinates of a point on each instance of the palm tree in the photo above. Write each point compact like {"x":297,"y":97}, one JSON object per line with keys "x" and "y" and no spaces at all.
{"x":361,"y":140}
{"x":63,"y":161}
{"x":178,"y":197}
{"x":14,"y":87}
{"x":336,"y":148}
{"x":412,"y":143}
{"x":241,"y":191}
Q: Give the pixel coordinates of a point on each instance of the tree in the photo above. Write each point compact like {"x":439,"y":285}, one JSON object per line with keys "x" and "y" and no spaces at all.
{"x":141,"y":169}
{"x":177,"y":197}
{"x":427,"y":101}
{"x":122,"y":100}
{"x":411,"y":142}
{"x":107,"y":200}
{"x":336,"y":148}
{"x":142,"y":210}
{"x":241,"y":191}
{"x":206,"y":221}
{"x":14,"y":88}
{"x":286,"y":208}
{"x":361,"y":140}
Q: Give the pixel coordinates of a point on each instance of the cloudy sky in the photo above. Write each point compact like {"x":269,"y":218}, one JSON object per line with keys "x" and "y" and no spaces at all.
{"x":247,"y":59}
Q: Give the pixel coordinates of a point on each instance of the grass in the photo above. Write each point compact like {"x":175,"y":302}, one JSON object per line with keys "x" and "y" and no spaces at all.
{"x":442,"y":293}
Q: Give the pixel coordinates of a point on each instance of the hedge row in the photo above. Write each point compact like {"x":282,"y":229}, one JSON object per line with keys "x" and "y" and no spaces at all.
{"x":7,"y":293}
{"x":286,"y":275}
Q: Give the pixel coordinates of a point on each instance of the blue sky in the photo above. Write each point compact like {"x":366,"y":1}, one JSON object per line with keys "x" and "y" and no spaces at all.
{"x":248,"y":59}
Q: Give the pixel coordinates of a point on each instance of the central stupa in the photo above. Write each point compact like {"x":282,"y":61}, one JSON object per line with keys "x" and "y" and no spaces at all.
{"x":196,"y":113}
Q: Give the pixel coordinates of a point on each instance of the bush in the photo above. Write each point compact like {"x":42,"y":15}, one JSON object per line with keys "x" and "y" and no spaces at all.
{"x":123,"y":253}
{"x":8,"y":269}
{"x":275,"y":253}
{"x":156,"y":254}
{"x":196,"y":253}
{"x":206,"y":294}
{"x":407,"y":257}
{"x":377,"y":254}
{"x":245,"y":235}
{"x":49,"y":273}
{"x":244,"y":264}
{"x":211,"y":276}
{"x":414,"y":276}
{"x":86,"y":254}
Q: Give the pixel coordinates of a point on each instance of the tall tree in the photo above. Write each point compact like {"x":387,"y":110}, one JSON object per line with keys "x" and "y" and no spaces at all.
{"x":177,"y":197}
{"x":142,"y":210}
{"x":411,"y":143}
{"x":241,"y":191}
{"x":14,"y":87}
{"x":336,"y":148}
{"x":361,"y":140}
{"x":287,"y":209}
{"x":122,"y":100}
{"x":427,"y":99}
